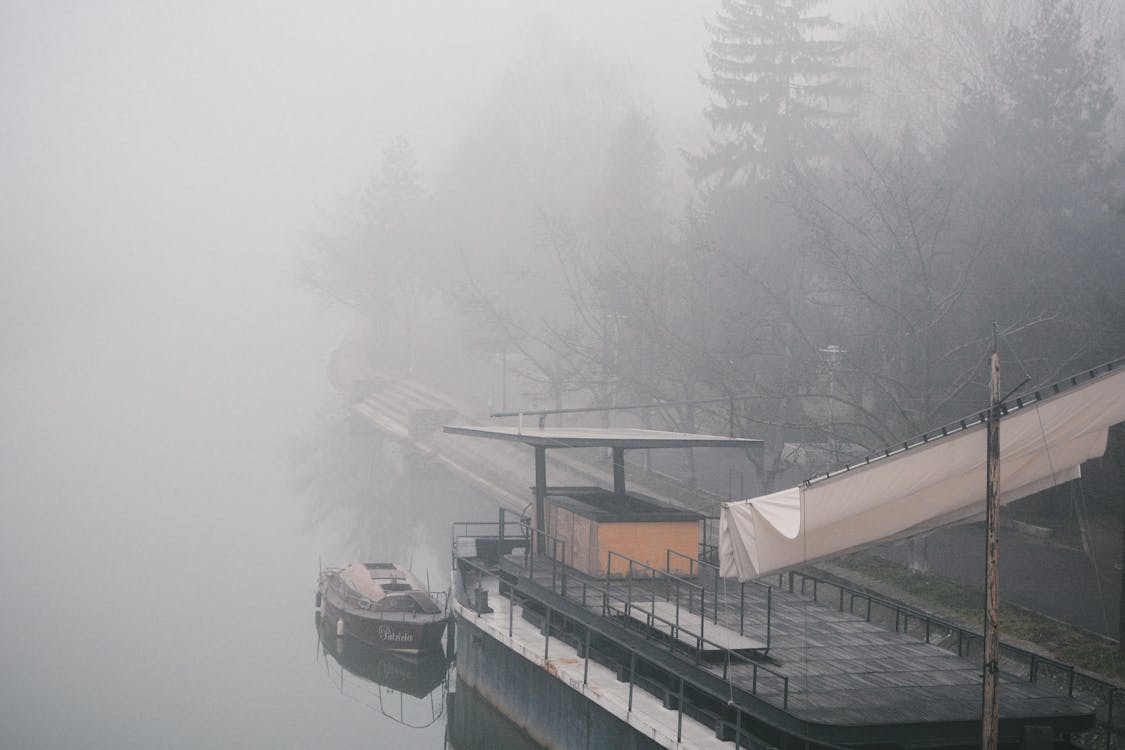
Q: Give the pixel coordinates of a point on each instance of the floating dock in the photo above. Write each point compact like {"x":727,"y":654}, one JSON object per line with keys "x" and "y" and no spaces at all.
{"x":585,"y":662}
{"x":598,"y":624}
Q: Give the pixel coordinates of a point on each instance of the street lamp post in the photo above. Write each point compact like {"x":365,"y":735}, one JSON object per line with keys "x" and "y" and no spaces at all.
{"x":833,"y":355}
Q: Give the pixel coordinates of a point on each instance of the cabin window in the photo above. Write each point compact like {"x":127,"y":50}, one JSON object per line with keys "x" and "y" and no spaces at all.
{"x":396,"y":587}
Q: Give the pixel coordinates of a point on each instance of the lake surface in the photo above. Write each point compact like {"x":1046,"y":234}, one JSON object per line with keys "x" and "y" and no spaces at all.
{"x":168,"y":491}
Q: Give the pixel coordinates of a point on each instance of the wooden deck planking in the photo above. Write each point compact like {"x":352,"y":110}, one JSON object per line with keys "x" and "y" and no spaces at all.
{"x":842,"y":669}
{"x":662,"y":616}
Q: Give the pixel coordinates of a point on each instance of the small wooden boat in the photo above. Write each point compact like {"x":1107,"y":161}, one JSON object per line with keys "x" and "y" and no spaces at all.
{"x":383,"y":605}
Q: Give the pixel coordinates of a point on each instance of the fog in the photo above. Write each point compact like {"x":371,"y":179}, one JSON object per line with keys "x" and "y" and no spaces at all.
{"x":170,"y":173}
{"x":159,"y":360}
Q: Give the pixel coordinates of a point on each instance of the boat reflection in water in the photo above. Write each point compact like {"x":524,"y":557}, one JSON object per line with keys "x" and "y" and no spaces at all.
{"x":410,"y":689}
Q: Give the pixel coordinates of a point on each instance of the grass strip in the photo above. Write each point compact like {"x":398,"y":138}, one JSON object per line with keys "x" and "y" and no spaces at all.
{"x":1086,"y":651}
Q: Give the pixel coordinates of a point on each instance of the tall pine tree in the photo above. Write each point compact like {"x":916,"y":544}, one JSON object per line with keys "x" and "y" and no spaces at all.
{"x":1058,"y":96}
{"x":778,"y":80}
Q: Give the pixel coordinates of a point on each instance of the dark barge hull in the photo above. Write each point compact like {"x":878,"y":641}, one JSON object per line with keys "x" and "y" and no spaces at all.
{"x":551,"y":713}
{"x":475,"y":724}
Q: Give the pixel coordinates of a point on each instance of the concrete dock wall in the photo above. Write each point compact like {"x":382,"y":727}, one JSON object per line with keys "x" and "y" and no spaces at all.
{"x":553,"y":714}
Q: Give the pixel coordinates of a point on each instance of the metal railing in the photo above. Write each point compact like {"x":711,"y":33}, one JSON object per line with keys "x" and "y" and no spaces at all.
{"x":552,"y":548}
{"x":1105,"y":697}
{"x":673,"y":594}
{"x":695,"y":563}
{"x":599,"y":641}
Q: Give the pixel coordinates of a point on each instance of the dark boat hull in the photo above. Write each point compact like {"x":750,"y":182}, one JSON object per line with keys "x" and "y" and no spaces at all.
{"x":406,"y":633}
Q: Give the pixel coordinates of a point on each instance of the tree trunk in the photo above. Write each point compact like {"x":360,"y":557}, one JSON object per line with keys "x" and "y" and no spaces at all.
{"x":1115,"y":452}
{"x":919,"y":556}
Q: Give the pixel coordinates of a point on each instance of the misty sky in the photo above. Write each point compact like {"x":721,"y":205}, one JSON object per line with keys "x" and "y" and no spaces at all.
{"x":179,"y":146}
{"x":135,"y":131}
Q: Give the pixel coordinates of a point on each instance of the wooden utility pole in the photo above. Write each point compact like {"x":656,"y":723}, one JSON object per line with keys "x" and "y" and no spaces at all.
{"x":990,"y":703}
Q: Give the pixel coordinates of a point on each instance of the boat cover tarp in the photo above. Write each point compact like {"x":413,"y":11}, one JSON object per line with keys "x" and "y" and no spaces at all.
{"x":362,"y":582}
{"x":928,"y":486}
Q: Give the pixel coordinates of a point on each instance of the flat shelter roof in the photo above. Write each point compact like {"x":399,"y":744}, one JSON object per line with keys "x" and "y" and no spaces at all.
{"x":618,"y":439}
{"x":598,"y":437}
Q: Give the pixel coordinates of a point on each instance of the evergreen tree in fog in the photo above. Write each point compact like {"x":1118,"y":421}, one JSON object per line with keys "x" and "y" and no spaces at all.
{"x":777,"y":78}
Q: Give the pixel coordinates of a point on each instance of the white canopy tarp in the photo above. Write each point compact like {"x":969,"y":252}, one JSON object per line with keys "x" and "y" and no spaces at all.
{"x":361,"y":580}
{"x":931,"y":485}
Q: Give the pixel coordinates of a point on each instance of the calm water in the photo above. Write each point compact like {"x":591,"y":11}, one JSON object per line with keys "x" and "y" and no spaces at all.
{"x":170,"y":482}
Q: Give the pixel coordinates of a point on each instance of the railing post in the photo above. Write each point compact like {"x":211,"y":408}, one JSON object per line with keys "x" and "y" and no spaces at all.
{"x":632,"y":671}
{"x":605,"y":595}
{"x":680,"y":714}
{"x":741,"y":607}
{"x":547,"y":634}
{"x":629,"y":588}
{"x":1109,"y":719}
{"x":564,"y":579}
{"x":702,"y":618}
{"x":554,"y":562}
{"x":677,"y":608}
{"x":769,"y":616}
{"x":716,"y":597}
{"x":586,"y":653}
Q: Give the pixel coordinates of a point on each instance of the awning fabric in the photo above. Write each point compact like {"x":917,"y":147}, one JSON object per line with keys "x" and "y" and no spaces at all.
{"x":931,"y":485}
